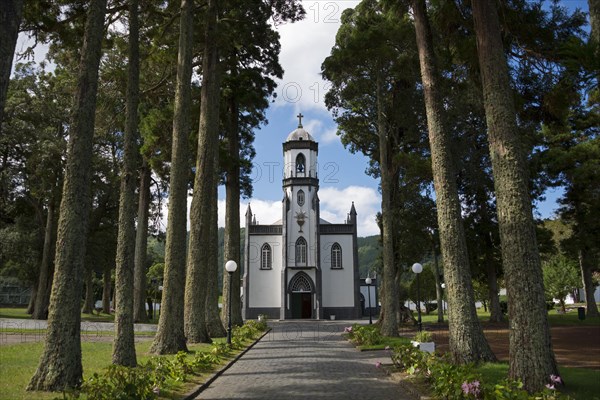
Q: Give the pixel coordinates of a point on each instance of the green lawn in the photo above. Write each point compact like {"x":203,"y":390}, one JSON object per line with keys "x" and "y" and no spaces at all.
{"x":554,"y":318}
{"x":19,"y":361}
{"x":581,"y":383}
{"x":21,"y":313}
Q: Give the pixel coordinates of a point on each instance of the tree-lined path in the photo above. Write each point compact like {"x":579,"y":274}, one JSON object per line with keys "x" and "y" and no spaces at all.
{"x":305,"y":360}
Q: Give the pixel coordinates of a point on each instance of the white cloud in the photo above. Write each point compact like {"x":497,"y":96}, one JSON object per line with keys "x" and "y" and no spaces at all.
{"x":336,"y":203}
{"x":304,"y":46}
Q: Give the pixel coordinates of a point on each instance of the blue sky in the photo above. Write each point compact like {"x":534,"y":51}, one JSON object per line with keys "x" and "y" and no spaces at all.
{"x":342,"y":175}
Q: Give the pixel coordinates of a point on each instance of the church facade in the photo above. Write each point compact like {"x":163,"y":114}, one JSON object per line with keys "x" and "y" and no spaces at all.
{"x":301,"y":266}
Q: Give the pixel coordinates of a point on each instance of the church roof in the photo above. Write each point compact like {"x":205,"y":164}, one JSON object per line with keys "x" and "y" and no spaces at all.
{"x":299,"y":134}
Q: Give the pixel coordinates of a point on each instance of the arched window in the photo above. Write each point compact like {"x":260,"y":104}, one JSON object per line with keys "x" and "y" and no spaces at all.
{"x":265,"y":257}
{"x":300,"y":251}
{"x":336,"y":256}
{"x":300,"y":197}
{"x":300,"y":163}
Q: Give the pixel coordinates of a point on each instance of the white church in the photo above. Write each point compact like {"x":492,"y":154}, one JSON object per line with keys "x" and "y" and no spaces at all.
{"x":301,"y":266}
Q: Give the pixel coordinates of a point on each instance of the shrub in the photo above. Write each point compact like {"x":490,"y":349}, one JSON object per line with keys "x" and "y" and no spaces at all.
{"x":451,"y":381}
{"x":364,"y":335}
{"x":423,"y":336}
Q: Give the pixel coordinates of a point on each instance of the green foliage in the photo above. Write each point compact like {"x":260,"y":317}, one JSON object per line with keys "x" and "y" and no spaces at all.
{"x":453,"y":381}
{"x":561,"y":277}
{"x":427,"y":288}
{"x":147,"y":379}
{"x":364,"y":334}
{"x":423,"y":336}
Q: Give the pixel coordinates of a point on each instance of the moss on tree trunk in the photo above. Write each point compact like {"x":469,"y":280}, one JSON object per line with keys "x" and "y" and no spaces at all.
{"x":60,"y":364}
{"x":531,"y":358}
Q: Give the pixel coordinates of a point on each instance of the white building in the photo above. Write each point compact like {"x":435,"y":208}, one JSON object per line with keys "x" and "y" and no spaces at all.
{"x":301,"y":266}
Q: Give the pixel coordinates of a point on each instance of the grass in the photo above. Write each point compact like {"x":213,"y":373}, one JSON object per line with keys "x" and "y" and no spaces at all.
{"x":554,"y":318}
{"x":21,"y":313}
{"x":19,"y":361}
{"x":580,"y":383}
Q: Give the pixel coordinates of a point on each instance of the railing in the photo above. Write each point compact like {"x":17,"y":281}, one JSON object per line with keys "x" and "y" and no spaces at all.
{"x":336,"y":228}
{"x":265,"y":229}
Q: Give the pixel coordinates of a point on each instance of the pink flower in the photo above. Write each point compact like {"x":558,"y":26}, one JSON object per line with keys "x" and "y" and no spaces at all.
{"x":378,"y":364}
{"x":348,"y":329}
{"x":555,"y":379}
{"x":156,"y":390}
{"x":550,"y":386}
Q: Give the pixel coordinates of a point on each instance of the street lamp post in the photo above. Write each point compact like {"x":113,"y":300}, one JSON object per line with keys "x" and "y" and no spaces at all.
{"x":443,"y":285}
{"x":368,"y":281}
{"x":230,"y":267}
{"x":417,"y":269}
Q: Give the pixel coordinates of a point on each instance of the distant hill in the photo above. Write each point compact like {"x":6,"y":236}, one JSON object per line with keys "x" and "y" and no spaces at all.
{"x":369,"y":255}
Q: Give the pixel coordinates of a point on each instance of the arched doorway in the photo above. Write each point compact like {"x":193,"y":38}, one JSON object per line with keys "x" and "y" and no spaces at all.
{"x":301,"y":291}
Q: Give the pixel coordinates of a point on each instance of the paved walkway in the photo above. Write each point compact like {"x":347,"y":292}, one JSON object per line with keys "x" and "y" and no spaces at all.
{"x":305,"y":360}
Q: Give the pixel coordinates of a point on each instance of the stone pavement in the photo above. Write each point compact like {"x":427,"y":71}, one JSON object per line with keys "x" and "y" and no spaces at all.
{"x":306,"y":360}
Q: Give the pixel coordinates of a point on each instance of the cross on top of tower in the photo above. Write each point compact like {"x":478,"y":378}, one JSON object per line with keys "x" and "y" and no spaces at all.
{"x":300,"y":116}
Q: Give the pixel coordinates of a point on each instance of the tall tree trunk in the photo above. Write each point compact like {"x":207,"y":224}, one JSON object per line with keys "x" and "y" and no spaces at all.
{"x":88,"y":301}
{"x":213,"y":318}
{"x":492,"y":280}
{"x":106,"y":289}
{"x":41,"y":301}
{"x":10,"y":19}
{"x":124,"y":342}
{"x":390,"y":303}
{"x":466,"y":339}
{"x":530,"y":352}
{"x":171,"y":335}
{"x":202,"y":203}
{"x":141,"y":246}
{"x":60,"y":364}
{"x":439,"y":292}
{"x":586,"y":268}
{"x":232,"y":219}
{"x":32,"y":298}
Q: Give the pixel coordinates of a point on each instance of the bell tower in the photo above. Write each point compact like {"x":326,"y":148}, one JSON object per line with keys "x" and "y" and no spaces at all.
{"x":300,"y":224}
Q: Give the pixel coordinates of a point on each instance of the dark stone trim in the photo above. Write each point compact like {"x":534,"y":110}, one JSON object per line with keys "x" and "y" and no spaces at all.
{"x":353,"y":223}
{"x":270,"y":312}
{"x":265,"y":229}
{"x":342,"y":313}
{"x":301,"y":144}
{"x":304,"y":181}
{"x":284,"y":255}
{"x":336,"y":229}
{"x":318,"y":272}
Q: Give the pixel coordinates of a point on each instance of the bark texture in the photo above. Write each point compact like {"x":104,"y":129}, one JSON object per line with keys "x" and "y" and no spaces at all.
{"x":171,"y":336}
{"x":40,"y":310}
{"x":11,"y":13}
{"x":124,"y":342}
{"x":390,"y":303}
{"x":202,"y":202}
{"x":439,"y":292}
{"x":106,"y":289}
{"x":232,"y":221}
{"x":530,"y":353}
{"x":466,"y":339}
{"x":88,"y":301}
{"x":141,"y":246}
{"x":213,"y":317}
{"x":60,"y":364}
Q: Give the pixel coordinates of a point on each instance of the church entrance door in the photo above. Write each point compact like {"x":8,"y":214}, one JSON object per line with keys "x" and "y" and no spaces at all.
{"x":301,"y":305}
